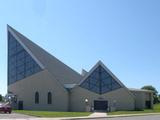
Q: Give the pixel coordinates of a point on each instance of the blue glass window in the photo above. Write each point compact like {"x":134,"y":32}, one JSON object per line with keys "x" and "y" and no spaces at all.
{"x":100,"y":81}
{"x":20,"y":63}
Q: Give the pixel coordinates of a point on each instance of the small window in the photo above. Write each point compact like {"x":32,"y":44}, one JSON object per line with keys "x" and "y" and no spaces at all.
{"x":36,"y":98}
{"x":49,"y":98}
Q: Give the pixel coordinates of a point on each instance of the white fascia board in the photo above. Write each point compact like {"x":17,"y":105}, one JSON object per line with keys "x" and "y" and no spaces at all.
{"x":116,"y":78}
{"x":87,"y":75}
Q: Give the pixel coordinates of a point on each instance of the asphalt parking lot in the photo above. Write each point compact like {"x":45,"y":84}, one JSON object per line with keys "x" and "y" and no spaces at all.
{"x":14,"y":116}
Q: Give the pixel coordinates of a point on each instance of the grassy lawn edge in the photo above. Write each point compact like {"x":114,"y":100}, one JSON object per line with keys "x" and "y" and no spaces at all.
{"x":52,"y":113}
{"x":156,"y":109}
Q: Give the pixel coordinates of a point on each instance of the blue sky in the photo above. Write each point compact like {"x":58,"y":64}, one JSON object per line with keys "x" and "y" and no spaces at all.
{"x":124,"y":34}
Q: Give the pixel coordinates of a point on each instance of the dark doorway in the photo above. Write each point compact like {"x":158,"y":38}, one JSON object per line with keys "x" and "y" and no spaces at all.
{"x":100,"y":105}
{"x":20,"y":105}
{"x":148,"y":104}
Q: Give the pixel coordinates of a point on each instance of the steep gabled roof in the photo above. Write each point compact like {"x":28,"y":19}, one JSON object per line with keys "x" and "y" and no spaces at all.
{"x":63,"y":73}
{"x":99,"y":63}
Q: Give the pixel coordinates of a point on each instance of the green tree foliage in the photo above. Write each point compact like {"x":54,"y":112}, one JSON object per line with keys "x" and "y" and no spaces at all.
{"x":0,"y":97}
{"x":155,"y":93}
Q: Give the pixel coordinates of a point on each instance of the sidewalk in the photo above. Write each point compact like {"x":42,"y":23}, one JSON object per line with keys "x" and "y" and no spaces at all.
{"x":98,"y":114}
{"x":94,"y":115}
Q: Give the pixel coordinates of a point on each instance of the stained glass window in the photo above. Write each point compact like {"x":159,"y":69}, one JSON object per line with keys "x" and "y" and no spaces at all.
{"x":100,"y":81}
{"x":20,"y":63}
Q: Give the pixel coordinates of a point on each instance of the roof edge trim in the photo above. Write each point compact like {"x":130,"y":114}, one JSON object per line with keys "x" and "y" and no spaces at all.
{"x":10,"y":29}
{"x":110,"y":73}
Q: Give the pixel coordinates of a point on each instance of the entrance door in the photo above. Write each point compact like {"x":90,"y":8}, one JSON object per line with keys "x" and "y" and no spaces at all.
{"x":148,"y":104}
{"x":100,"y":105}
{"x":20,"y":105}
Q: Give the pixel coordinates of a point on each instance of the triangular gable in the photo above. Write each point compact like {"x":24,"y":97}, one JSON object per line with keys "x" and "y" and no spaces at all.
{"x":62,"y":73}
{"x":101,"y":80}
{"x":13,"y":33}
{"x":20,"y":63}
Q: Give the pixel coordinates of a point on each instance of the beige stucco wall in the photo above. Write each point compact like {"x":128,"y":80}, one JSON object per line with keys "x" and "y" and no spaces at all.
{"x":118,"y":99}
{"x":43,"y":82}
{"x":141,"y":97}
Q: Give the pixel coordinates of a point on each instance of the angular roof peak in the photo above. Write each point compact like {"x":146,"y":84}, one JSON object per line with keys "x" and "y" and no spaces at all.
{"x":8,"y":25}
{"x":63,"y":73}
{"x":10,"y":28}
{"x":19,"y":39}
{"x":100,"y":63}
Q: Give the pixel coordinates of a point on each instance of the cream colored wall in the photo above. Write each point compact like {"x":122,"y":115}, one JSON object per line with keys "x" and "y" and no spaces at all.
{"x":43,"y":82}
{"x":141,"y":97}
{"x":139,"y":104}
{"x":118,"y":99}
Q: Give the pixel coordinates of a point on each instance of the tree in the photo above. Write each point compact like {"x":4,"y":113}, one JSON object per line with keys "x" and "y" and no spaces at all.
{"x":0,"y":97}
{"x":155,"y":93}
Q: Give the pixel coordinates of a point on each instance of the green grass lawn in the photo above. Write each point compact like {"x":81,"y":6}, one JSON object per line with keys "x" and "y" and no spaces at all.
{"x":156,"y":109}
{"x":52,"y":113}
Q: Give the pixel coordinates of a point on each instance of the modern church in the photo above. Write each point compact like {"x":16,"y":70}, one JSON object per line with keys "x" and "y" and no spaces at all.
{"x":39,"y":81}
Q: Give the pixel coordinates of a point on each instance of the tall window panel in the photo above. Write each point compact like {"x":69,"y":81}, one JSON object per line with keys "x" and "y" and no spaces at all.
{"x":36,"y":98}
{"x":49,"y":98}
{"x":20,"y":63}
{"x":100,"y":81}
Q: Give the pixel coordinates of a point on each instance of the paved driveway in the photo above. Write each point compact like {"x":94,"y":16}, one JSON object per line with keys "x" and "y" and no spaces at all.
{"x":14,"y":116}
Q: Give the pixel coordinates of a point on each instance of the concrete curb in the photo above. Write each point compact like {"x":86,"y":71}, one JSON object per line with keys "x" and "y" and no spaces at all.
{"x":111,"y":116}
{"x":80,"y":118}
{"x":132,"y":115}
